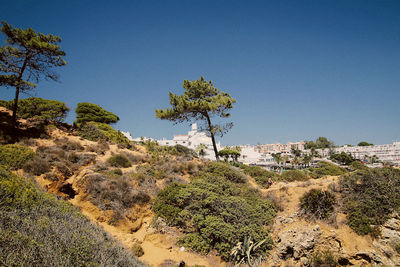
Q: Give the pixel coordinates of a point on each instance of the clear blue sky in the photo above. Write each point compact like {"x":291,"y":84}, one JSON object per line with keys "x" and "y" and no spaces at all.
{"x":298,"y":69}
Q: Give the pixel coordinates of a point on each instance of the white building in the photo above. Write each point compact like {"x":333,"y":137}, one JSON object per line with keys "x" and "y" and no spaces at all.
{"x":192,"y":140}
{"x":386,"y":153}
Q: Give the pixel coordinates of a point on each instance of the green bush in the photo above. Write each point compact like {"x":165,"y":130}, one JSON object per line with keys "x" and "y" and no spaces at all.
{"x":14,"y":156}
{"x":370,"y":196}
{"x":227,"y":171}
{"x":357,"y":165}
{"x":293,"y":175}
{"x":39,"y":108}
{"x":318,"y":204}
{"x":88,"y":112}
{"x":95,"y":131}
{"x":119,"y":161}
{"x":342,"y":158}
{"x":325,"y":168}
{"x":36,"y":229}
{"x":216,"y":212}
{"x":259,"y":174}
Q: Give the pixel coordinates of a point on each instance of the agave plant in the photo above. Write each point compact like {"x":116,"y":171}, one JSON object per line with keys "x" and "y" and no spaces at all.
{"x":245,"y":252}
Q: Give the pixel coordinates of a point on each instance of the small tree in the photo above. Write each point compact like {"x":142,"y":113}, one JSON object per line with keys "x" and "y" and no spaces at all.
{"x":39,"y":108}
{"x":28,"y":57}
{"x":88,"y":112}
{"x":200,"y":101}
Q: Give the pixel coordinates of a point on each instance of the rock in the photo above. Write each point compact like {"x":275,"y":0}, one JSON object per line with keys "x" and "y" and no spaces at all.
{"x":136,"y":225}
{"x":297,"y":243}
{"x":393,"y":224}
{"x":304,"y":261}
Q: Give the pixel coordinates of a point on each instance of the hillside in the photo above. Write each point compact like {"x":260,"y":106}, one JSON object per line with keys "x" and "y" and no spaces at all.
{"x":167,"y":206}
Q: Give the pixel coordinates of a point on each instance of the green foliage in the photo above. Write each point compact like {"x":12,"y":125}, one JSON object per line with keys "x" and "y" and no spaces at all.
{"x":342,"y":158}
{"x":293,"y":175}
{"x":229,"y":153}
{"x":318,"y":204}
{"x":95,"y":131}
{"x":200,"y":101}
{"x":363,"y":143}
{"x":370,"y":196}
{"x":320,"y":143}
{"x":325,"y":168}
{"x":231,"y":173}
{"x":28,"y":57}
{"x":247,"y":252}
{"x":88,"y":112}
{"x":259,"y":174}
{"x":215,"y":212}
{"x":14,"y":156}
{"x":323,"y":258}
{"x":357,"y":165}
{"x":39,"y":108}
{"x":36,"y":229}
{"x":119,"y":161}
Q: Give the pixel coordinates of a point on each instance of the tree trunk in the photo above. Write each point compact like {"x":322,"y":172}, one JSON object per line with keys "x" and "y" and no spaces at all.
{"x":15,"y":107}
{"x":17,"y":88}
{"x":212,"y":136}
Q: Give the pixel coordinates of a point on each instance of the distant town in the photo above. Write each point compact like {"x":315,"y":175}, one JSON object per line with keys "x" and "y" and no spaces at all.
{"x":265,"y":154}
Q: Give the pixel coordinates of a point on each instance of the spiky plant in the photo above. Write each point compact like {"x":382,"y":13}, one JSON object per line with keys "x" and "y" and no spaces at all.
{"x":246,"y":252}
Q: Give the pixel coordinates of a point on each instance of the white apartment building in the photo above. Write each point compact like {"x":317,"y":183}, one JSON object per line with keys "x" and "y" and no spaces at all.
{"x":386,"y":153}
{"x":279,"y":148}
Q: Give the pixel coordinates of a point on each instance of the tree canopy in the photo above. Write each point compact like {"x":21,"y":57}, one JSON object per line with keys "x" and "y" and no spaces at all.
{"x":201,"y":101}
{"x":363,"y":143}
{"x":27,"y":58}
{"x":88,"y":112}
{"x":39,"y":108}
{"x":320,"y":143}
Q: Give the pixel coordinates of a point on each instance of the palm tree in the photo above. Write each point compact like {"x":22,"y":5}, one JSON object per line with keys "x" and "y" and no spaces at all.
{"x":277,"y":158}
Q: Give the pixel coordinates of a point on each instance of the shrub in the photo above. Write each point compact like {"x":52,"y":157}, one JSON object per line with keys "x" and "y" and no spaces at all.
{"x":91,"y":131}
{"x":357,"y":165}
{"x":14,"y":156}
{"x":68,"y":145}
{"x":370,"y":196}
{"x":37,"y":166}
{"x":216,"y":211}
{"x":323,"y":258}
{"x":184,"y":151}
{"x":134,"y":158}
{"x":117,"y":172}
{"x":137,"y":250}
{"x":294,"y":175}
{"x":113,"y":194}
{"x":39,"y":108}
{"x":318,"y":204}
{"x":259,"y":174}
{"x":231,"y":173}
{"x":95,"y":131}
{"x":342,"y":158}
{"x":100,"y":147}
{"x":119,"y":161}
{"x":324,"y":168}
{"x":36,"y":229}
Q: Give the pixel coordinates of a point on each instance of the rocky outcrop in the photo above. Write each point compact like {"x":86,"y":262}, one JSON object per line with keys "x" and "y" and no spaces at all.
{"x":297,"y":243}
